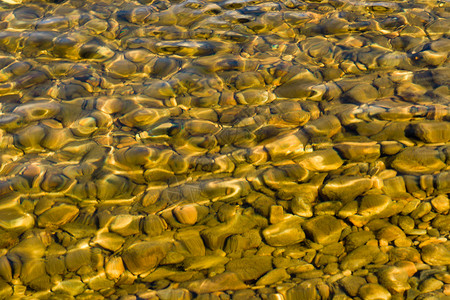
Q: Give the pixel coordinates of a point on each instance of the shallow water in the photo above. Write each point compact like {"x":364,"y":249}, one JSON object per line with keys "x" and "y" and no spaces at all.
{"x":237,"y":149}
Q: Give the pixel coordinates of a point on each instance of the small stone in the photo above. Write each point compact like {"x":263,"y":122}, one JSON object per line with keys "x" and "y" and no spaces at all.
{"x":72,"y":287}
{"x":394,"y":279}
{"x":324,"y":126}
{"x":373,"y":204}
{"x":390,"y":233}
{"x":418,"y":161}
{"x":250,"y":268}
{"x":441,"y":203}
{"x":373,"y":291}
{"x":436,"y":254}
{"x":204,"y":262}
{"x":359,"y":151}
{"x":221,"y":282}
{"x":432,"y":132}
{"x":284,"y":233}
{"x":430,"y":285}
{"x":324,"y":229}
{"x":359,"y":257}
{"x":125,"y":225}
{"x":273,"y":276}
{"x":109,"y":241}
{"x":144,"y":256}
{"x":321,"y":160}
{"x":352,"y":284}
{"x":361,"y":94}
{"x":346,"y":188}
{"x":442,"y":222}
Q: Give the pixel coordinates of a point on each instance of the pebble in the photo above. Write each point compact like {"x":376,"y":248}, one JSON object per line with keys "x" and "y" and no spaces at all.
{"x":250,"y":268}
{"x":58,"y":215}
{"x":373,"y":291}
{"x":217,"y":283}
{"x":436,"y":254}
{"x":324,"y":229}
{"x":361,"y":94}
{"x":394,"y":279}
{"x":346,"y":188}
{"x":321,"y":160}
{"x":360,"y":257}
{"x":418,"y":161}
{"x":287,"y":232}
{"x":142,"y":257}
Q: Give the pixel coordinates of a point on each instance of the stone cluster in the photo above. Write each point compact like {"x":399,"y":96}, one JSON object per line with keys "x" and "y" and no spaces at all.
{"x":236,"y":149}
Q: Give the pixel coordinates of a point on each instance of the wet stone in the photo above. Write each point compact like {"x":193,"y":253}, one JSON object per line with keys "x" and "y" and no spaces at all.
{"x":361,"y":94}
{"x":359,"y":257}
{"x":418,"y":161}
{"x":284,"y":233}
{"x":250,"y":268}
{"x":432,"y":132}
{"x":346,"y":188}
{"x":324,"y":229}
{"x":436,"y":254}
{"x":144,"y":256}
{"x":373,"y":291}
{"x":221,"y":282}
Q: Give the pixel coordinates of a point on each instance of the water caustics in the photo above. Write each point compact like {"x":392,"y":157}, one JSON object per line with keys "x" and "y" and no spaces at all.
{"x":236,"y":149}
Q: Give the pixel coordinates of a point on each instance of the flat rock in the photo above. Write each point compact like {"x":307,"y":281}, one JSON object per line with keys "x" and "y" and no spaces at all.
{"x":359,"y":151}
{"x":346,"y":188}
{"x":324,"y":229}
{"x":436,"y":254}
{"x":373,"y":291}
{"x":144,"y":256}
{"x":321,"y":160}
{"x":250,"y":268}
{"x":418,"y":161}
{"x":221,"y":282}
{"x":361,"y":94}
{"x":285,"y":233}
{"x":359,"y":257}
{"x":432,"y":132}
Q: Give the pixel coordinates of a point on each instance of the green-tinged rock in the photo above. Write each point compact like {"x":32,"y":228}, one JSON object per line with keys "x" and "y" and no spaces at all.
{"x":285,"y":233}
{"x":418,"y":161}
{"x":144,"y":256}
{"x":360,"y":257}
{"x":273,"y":276}
{"x":323,"y":229}
{"x":373,"y":291}
{"x":250,"y":268}
{"x":346,"y":188}
{"x":222,"y":282}
{"x":321,"y":160}
{"x":436,"y":254}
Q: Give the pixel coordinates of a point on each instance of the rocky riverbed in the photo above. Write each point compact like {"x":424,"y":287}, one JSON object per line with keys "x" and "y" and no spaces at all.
{"x":236,"y":149}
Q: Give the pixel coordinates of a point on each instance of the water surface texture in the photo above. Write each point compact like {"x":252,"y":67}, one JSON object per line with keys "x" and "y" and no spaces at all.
{"x":215,"y":150}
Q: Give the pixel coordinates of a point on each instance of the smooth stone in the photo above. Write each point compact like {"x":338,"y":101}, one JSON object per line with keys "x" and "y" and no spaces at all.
{"x":77,"y":258}
{"x":361,"y":94}
{"x":373,"y":291}
{"x":394,"y":279}
{"x":373,"y":204}
{"x":273,"y":276}
{"x":58,"y":215}
{"x":430,"y":285}
{"x":324,"y":229}
{"x":418,"y":161}
{"x":290,"y":145}
{"x":154,"y":225}
{"x":432,"y":132}
{"x":390,"y":233}
{"x":114,"y":267}
{"x":436,"y":254}
{"x":221,"y":282}
{"x":72,"y":287}
{"x":442,"y":182}
{"x":250,"y":268}
{"x":6,"y":290}
{"x":297,"y":88}
{"x":441,"y":222}
{"x":171,"y":293}
{"x":100,"y":282}
{"x":360,"y":257}
{"x":192,"y":242}
{"x":304,"y":291}
{"x":441,"y":203}
{"x":109,"y":241}
{"x":352,"y":284}
{"x":287,"y":232}
{"x":359,"y":151}
{"x":346,"y":188}
{"x":125,"y":225}
{"x":204,"y":262}
{"x":14,"y":219}
{"x":144,"y":256}
{"x":327,"y":125}
{"x":321,"y":160}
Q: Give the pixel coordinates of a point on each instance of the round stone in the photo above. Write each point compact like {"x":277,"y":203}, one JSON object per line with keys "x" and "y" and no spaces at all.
{"x":418,"y":161}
